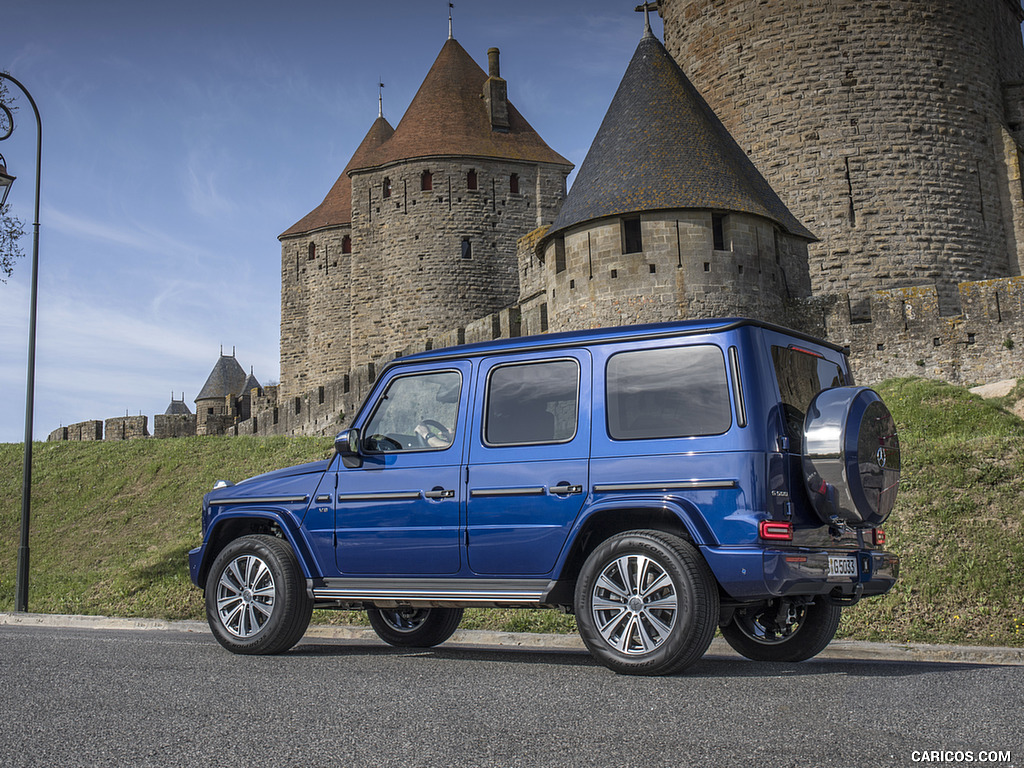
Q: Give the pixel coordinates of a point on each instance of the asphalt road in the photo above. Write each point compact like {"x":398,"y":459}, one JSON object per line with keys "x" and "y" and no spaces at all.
{"x":78,"y":697}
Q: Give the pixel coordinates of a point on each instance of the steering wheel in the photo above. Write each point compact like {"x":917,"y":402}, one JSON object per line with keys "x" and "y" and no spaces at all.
{"x":443,"y":433}
{"x":385,"y":443}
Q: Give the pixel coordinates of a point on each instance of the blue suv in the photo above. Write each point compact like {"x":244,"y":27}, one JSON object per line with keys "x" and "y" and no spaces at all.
{"x":657,"y":481}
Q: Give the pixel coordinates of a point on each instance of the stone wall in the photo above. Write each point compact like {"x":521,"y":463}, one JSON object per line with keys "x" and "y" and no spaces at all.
{"x":174,"y":425}
{"x":126,"y":428}
{"x":422,"y":261}
{"x":316,"y":276}
{"x":889,"y":129}
{"x":907,"y":335}
{"x":83,"y":430}
{"x":587,"y":280}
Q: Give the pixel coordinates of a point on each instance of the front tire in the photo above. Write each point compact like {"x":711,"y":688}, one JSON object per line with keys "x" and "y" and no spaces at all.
{"x":786,"y":632}
{"x":256,"y":599}
{"x":414,"y":627}
{"x":646,"y":603}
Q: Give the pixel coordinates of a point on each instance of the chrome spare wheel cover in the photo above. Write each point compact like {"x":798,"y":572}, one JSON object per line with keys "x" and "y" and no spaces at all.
{"x":634,"y":604}
{"x":245,"y":596}
{"x":404,"y":619}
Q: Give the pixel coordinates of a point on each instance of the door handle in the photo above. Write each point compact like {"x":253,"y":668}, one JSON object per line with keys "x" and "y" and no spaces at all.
{"x":440,"y":493}
{"x":564,"y":489}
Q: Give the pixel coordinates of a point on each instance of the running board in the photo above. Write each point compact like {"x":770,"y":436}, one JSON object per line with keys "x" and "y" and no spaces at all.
{"x":433,"y":592}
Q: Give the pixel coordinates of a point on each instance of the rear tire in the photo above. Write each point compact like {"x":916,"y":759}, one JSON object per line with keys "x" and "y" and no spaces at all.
{"x":758,"y":634}
{"x":646,"y":603}
{"x":256,"y":599}
{"x":414,"y":627}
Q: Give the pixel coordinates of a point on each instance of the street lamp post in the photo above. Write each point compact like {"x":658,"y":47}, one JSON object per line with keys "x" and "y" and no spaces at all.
{"x":21,"y":585}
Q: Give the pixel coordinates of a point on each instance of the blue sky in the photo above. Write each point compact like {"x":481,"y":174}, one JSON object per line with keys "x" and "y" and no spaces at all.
{"x":180,"y":139}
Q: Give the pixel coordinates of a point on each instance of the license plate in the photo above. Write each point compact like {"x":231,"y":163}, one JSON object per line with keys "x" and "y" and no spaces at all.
{"x":842,"y":565}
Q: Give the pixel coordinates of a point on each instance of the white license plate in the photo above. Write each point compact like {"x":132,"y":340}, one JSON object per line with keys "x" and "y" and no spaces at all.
{"x":842,"y":565}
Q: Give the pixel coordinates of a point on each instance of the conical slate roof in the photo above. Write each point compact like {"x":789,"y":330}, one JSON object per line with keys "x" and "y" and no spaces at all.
{"x":449,"y":117}
{"x":227,"y":378}
{"x":251,"y":382}
{"x":661,"y":147}
{"x":336,"y":209}
{"x":177,"y":407}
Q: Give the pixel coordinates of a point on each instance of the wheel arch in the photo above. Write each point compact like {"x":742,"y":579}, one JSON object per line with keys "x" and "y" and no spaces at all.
{"x":602,"y":522}
{"x":227,"y":528}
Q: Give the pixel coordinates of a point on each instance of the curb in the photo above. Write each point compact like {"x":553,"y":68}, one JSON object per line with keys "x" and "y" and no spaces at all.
{"x":839,"y":650}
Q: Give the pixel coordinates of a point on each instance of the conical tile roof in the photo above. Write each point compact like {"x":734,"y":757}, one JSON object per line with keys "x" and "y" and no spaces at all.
{"x":449,"y":117}
{"x":226,"y":378}
{"x":177,"y":407}
{"x":336,"y":209}
{"x":661,"y":147}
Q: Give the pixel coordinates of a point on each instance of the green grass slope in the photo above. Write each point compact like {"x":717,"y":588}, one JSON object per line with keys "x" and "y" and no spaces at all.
{"x":112,"y":523}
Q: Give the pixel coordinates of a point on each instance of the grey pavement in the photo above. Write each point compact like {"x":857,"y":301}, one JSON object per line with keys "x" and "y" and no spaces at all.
{"x":838,"y":649}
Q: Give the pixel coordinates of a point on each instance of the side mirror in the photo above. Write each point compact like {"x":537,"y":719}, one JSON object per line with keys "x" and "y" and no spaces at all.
{"x":346,"y":445}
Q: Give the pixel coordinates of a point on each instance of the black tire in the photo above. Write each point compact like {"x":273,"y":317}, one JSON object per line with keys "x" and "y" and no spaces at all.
{"x":758,"y":634}
{"x":414,"y":627}
{"x":256,"y":599}
{"x":646,"y":603}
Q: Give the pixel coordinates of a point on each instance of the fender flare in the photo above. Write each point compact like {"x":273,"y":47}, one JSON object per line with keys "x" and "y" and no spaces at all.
{"x":687,"y":513}
{"x":289,"y":527}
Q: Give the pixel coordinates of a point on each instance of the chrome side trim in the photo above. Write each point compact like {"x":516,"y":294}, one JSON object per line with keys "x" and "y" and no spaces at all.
{"x":680,"y":485}
{"x":260,"y":500}
{"x":416,"y":591}
{"x":392,"y":496}
{"x":536,"y":490}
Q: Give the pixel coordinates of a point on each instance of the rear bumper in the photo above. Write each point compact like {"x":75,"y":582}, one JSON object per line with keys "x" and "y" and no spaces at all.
{"x":756,"y":574}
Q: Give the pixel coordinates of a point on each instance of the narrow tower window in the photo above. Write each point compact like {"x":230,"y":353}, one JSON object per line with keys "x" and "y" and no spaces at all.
{"x":346,"y":244}
{"x":467,"y":248}
{"x":311,"y":251}
{"x":632,"y":240}
{"x":718,"y":231}
{"x":513,"y":184}
{"x":386,"y":187}
{"x":471,"y":179}
{"x":426,"y":181}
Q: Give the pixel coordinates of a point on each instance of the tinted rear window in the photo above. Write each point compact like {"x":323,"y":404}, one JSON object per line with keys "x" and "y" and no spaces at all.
{"x":533,"y":403}
{"x":660,"y":393}
{"x":802,"y":375}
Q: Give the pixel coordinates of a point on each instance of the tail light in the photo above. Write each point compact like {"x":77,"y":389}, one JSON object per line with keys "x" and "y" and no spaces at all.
{"x":878,"y":536}
{"x":775,"y":530}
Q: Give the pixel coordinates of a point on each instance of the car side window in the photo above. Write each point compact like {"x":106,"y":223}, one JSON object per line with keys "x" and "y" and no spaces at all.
{"x":665,"y":393}
{"x":532,"y":403}
{"x":417,"y":412}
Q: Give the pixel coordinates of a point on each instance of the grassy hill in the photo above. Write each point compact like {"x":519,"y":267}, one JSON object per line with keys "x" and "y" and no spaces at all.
{"x":112,"y":523}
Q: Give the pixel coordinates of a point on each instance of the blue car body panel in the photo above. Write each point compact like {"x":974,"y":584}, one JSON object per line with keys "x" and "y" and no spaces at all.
{"x":479,"y":515}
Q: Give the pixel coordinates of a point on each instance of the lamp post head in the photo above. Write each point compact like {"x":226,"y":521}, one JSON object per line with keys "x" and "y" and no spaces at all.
{"x":5,"y":182}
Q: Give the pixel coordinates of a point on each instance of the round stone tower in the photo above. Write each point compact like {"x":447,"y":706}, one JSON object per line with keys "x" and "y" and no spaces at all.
{"x":891,"y":130}
{"x":667,"y":218}
{"x":418,"y":235}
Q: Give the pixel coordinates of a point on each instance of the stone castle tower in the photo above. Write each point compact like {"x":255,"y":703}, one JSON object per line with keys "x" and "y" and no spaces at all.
{"x":418,"y":235}
{"x":893,"y":131}
{"x":667,"y":219}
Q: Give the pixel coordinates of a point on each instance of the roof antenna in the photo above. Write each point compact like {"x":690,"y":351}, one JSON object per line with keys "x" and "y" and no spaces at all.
{"x":647,"y":8}
{"x":450,"y":6}
{"x":380,"y":99}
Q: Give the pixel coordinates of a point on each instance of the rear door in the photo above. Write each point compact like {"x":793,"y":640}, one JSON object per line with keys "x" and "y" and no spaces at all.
{"x":528,"y":460}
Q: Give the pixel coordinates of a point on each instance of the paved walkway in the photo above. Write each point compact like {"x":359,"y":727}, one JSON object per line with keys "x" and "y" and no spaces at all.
{"x":838,"y":649}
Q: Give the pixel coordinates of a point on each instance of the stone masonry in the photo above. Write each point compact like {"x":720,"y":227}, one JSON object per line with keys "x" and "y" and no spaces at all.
{"x":891,"y":129}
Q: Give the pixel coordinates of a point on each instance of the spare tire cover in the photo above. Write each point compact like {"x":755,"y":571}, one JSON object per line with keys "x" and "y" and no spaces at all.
{"x":851,"y":459}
